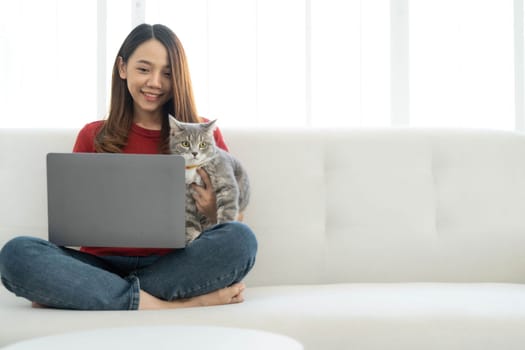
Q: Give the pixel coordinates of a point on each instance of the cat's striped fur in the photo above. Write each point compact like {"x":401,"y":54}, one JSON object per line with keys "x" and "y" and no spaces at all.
{"x":195,"y":142}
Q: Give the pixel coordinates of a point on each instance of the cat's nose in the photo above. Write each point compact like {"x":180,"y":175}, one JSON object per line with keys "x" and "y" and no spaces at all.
{"x":194,"y":154}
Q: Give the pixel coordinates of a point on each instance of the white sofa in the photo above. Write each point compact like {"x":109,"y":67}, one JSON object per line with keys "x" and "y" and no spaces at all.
{"x":368,"y":239}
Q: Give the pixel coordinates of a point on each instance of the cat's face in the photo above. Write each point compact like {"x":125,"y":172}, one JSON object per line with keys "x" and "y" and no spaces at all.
{"x":194,"y":142}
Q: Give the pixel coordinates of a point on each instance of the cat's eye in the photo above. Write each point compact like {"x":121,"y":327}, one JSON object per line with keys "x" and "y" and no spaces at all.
{"x":203,"y":145}
{"x":185,"y":144}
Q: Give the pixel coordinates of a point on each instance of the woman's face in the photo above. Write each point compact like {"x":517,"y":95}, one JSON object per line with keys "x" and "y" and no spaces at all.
{"x":148,"y":76}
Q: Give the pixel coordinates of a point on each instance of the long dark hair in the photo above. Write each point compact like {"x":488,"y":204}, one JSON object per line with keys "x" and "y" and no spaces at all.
{"x":113,"y":135}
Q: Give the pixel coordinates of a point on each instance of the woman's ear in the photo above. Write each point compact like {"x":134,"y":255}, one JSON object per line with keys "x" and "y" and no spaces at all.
{"x":121,"y":68}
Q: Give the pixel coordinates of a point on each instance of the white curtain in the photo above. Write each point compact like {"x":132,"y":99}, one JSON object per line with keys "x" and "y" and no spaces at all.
{"x":270,"y":63}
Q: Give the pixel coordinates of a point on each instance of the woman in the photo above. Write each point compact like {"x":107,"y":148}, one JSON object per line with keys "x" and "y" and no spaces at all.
{"x":150,"y":80}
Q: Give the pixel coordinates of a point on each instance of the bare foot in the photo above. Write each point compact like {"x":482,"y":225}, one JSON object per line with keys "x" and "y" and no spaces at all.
{"x":228,"y":295}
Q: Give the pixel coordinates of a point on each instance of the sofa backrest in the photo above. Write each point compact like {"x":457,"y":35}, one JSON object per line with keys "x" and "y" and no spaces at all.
{"x":390,"y":205}
{"x":331,"y":206}
{"x":23,"y":204}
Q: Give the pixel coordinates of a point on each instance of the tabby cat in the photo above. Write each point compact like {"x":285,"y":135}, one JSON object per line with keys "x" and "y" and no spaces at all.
{"x":195,"y":142}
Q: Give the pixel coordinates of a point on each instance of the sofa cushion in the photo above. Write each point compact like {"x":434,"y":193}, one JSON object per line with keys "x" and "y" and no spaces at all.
{"x":412,"y":316}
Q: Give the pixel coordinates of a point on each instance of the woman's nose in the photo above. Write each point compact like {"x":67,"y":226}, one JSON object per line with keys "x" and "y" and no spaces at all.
{"x":155,"y":80}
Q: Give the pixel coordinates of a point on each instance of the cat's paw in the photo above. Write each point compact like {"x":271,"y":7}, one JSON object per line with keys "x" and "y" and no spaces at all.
{"x":193,"y":177}
{"x":191,"y":234}
{"x":226,"y":216}
{"x":198,"y":180}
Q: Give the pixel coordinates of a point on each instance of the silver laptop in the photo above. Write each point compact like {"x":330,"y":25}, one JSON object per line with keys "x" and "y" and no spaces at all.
{"x":116,"y":200}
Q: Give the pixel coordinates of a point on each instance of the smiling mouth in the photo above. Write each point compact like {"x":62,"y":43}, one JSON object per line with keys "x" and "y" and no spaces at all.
{"x":151,"y":96}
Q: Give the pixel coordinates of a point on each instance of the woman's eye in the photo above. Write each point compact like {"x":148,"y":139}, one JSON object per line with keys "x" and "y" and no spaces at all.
{"x":142,"y":70}
{"x":185,"y":144}
{"x":167,"y":74}
{"x":203,"y":145}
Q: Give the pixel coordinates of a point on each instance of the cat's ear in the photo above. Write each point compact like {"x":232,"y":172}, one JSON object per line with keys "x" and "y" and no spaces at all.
{"x":209,"y":126}
{"x":174,"y":123}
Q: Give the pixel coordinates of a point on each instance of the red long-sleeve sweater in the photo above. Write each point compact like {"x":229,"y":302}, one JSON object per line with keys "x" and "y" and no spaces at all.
{"x":140,"y":141}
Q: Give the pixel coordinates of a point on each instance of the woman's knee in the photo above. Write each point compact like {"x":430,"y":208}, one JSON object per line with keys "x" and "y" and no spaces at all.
{"x":248,"y":235}
{"x":24,"y":243}
{"x":242,"y":235}
{"x":237,"y":239}
{"x":19,"y":249}
{"x":246,"y":251}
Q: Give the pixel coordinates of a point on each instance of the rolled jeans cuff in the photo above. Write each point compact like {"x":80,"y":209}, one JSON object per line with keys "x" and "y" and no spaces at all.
{"x":134,"y":291}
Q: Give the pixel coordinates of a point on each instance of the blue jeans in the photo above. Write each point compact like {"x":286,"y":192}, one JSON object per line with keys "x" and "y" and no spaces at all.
{"x":64,"y":278}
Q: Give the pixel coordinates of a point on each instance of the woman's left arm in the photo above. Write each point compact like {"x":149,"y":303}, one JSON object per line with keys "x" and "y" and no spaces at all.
{"x":204,"y":196}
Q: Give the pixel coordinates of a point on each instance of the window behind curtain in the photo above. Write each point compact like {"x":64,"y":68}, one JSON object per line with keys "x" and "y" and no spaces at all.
{"x":321,"y":63}
{"x":461,"y":63}
{"x":48,"y":63}
{"x":285,"y":63}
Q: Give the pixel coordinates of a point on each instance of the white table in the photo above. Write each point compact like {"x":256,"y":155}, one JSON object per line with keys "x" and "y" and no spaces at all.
{"x":162,"y":337}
